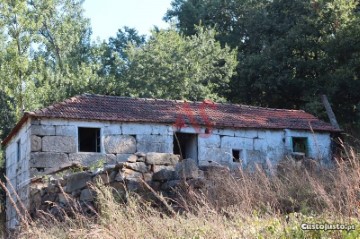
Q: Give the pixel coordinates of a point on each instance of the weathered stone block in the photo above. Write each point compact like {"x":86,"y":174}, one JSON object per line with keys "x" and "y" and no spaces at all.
{"x":140,"y":159}
{"x":213,"y":141}
{"x":138,"y":166}
{"x":164,"y":175}
{"x":153,"y":138}
{"x":102,"y":178}
{"x":62,"y":199}
{"x":129,"y":173}
{"x":112,"y":130}
{"x":134,"y":184}
{"x":132,"y":159}
{"x":134,"y":129}
{"x":120,"y":144}
{"x":89,"y":159}
{"x":66,"y":130}
{"x":119,"y":187}
{"x":11,"y":170}
{"x":60,"y":144}
{"x":161,"y":158}
{"x":111,"y":159}
{"x":237,"y":142}
{"x":255,"y":157}
{"x":147,"y":177}
{"x":162,"y":147}
{"x":140,"y":154}
{"x":43,"y":130}
{"x":197,"y":183}
{"x":87,"y":195}
{"x":119,"y":177}
{"x":186,"y":169}
{"x":148,"y":147}
{"x":210,"y":171}
{"x":35,"y":143}
{"x":124,"y":157}
{"x":246,"y":133}
{"x":215,"y":154}
{"x":157,"y":168}
{"x":224,"y":132}
{"x":169,"y":185}
{"x":77,"y":181}
{"x":159,"y":129}
{"x":48,"y":160}
{"x":35,"y":121}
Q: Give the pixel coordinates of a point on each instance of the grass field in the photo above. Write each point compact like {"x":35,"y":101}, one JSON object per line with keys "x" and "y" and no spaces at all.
{"x":248,"y":205}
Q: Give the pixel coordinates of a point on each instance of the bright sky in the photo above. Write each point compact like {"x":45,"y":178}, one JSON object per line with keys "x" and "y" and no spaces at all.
{"x":107,"y":16}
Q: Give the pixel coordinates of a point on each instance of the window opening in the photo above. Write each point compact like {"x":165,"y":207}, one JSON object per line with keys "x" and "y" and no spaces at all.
{"x":89,"y":139}
{"x":236,"y":155}
{"x":299,"y":145}
{"x":18,"y":151}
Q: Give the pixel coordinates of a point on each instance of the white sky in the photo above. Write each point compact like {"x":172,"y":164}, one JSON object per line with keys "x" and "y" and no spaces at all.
{"x":107,"y":16}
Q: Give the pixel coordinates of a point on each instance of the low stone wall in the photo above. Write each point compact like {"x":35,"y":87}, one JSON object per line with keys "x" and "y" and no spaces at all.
{"x":161,"y":171}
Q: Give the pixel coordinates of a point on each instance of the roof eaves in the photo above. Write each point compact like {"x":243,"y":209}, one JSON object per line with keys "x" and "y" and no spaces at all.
{"x":17,"y":127}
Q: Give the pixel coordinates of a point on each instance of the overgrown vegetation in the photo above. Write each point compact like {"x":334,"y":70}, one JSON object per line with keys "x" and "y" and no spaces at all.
{"x":247,"y":205}
{"x":278,"y":53}
{"x":282,"y":53}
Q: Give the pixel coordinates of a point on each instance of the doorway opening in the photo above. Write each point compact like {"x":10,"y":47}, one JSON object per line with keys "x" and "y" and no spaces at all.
{"x":186,"y":145}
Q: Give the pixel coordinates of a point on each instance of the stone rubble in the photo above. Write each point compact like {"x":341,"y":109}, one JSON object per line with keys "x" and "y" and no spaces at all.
{"x":161,"y":171}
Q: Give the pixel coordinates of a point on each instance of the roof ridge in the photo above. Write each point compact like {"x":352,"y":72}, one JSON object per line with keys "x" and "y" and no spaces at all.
{"x":191,"y":101}
{"x":68,"y":100}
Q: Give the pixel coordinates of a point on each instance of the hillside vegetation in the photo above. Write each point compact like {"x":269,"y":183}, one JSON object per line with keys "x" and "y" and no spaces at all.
{"x":245,"y":205}
{"x":278,"y":53}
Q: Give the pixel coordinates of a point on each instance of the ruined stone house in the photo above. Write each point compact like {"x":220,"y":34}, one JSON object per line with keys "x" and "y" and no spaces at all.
{"x":89,"y":129}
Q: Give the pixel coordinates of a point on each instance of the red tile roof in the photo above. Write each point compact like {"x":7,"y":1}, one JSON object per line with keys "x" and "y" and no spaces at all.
{"x":125,"y":109}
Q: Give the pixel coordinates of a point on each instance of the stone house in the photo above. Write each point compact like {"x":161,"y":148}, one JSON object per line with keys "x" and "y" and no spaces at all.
{"x":89,"y":129}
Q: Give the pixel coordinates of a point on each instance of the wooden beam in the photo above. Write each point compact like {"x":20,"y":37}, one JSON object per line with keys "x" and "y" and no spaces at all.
{"x":329,"y":112}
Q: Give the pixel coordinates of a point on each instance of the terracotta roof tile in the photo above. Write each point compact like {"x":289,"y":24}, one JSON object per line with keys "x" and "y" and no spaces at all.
{"x":113,"y":108}
{"x":218,"y":115}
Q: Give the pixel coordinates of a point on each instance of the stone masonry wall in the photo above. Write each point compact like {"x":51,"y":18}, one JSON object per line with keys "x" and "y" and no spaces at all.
{"x":161,"y":171}
{"x":57,"y":140}
{"x":256,"y":146}
{"x":54,"y":143}
{"x":17,"y":155}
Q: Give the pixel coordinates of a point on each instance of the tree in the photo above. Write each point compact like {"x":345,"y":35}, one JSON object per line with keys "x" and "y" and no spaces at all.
{"x":45,"y":53}
{"x":64,"y":51}
{"x":343,"y":85}
{"x":15,"y":74}
{"x":174,"y":66}
{"x":283,"y":47}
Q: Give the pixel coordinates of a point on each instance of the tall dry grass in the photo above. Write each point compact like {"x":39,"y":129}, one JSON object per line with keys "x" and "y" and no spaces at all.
{"x":245,"y":205}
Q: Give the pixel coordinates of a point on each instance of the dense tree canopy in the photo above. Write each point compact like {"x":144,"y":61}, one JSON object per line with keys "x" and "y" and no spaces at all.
{"x":278,"y":53}
{"x":45,"y":47}
{"x":289,"y":51}
{"x":173,"y":66}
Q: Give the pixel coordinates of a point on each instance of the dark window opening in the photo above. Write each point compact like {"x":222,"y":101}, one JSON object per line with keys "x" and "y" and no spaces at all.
{"x":18,"y":151}
{"x":40,"y":169}
{"x":89,"y":139}
{"x":299,"y":145}
{"x":185,"y":145}
{"x":236,"y":155}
